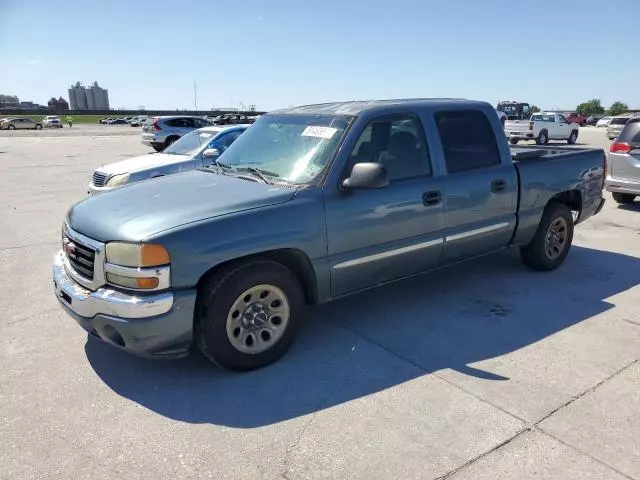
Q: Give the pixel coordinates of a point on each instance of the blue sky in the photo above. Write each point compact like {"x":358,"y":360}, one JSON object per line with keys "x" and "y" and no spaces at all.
{"x":287,"y":52}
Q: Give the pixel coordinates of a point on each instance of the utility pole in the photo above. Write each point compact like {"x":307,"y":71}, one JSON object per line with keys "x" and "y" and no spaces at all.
{"x":195,"y":96}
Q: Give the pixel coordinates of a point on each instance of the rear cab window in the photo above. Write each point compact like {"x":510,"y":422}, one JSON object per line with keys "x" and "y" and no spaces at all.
{"x":468,"y":140}
{"x":542,"y":118}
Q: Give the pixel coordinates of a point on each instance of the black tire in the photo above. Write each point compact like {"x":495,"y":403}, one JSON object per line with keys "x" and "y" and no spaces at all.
{"x":623,"y":198}
{"x":535,"y":255}
{"x":513,"y":141}
{"x":169,"y":141}
{"x":573,"y":137}
{"x":11,"y":127}
{"x":217,"y":296}
{"x":38,"y":126}
{"x":158,"y":148}
{"x":543,"y":138}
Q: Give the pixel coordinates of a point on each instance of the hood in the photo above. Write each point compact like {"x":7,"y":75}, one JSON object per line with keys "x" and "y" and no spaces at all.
{"x":143,"y":162}
{"x":136,"y":212}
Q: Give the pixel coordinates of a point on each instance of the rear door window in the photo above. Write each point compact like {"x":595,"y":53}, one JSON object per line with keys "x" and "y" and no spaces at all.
{"x":468,"y":140}
{"x":631,"y":133}
{"x":619,"y":120}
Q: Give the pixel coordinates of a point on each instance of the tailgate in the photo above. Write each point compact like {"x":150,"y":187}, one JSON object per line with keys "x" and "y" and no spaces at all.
{"x":516,"y":126}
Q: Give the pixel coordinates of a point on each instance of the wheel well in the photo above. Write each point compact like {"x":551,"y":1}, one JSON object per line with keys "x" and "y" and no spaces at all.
{"x":544,"y":130}
{"x":570,"y":198}
{"x":292,"y":258}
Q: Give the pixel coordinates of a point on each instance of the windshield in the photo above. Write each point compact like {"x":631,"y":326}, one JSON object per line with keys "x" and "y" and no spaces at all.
{"x":190,"y":143}
{"x":293,"y":148}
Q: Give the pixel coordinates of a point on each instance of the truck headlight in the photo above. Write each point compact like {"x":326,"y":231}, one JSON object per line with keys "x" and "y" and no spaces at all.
{"x":140,"y":266}
{"x":118,"y":180}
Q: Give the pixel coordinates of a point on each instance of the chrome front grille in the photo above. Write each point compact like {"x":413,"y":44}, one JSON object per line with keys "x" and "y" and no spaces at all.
{"x":99,"y":178}
{"x":83,"y":258}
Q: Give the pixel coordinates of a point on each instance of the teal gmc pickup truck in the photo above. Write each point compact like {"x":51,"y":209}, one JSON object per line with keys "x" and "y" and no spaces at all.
{"x":310,"y":204}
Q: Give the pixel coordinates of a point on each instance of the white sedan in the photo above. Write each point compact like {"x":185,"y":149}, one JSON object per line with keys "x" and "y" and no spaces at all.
{"x":197,"y":149}
{"x":51,"y":121}
{"x":604,"y":122}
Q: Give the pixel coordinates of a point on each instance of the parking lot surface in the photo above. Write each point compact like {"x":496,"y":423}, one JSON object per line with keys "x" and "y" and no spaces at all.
{"x":486,"y":370}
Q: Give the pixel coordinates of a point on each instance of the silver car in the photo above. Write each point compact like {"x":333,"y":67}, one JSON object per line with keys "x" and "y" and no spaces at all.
{"x":623,"y":178}
{"x":160,"y":132}
{"x":198,"y":148}
{"x":617,"y":124}
{"x":17,"y":123}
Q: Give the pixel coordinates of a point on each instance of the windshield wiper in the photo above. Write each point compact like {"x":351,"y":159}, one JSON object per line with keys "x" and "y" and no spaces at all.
{"x":216,"y":163}
{"x":259,"y":173}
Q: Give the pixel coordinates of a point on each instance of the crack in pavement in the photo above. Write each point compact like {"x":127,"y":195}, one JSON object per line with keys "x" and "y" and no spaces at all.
{"x":286,"y":464}
{"x":589,"y":390}
{"x":528,"y":428}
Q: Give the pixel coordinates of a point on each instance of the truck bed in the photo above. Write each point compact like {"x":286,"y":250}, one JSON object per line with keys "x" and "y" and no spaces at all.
{"x":529,"y":153}
{"x":544,"y":172}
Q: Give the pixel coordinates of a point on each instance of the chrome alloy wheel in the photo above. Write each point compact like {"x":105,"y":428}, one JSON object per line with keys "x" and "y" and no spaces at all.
{"x":556,"y":238}
{"x":257,"y":319}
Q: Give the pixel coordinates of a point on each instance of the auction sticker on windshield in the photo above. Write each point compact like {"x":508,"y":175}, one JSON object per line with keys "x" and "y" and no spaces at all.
{"x":319,"y":132}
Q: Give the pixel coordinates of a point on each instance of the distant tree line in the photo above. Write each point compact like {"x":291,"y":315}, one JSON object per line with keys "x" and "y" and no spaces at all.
{"x":594,"y":107}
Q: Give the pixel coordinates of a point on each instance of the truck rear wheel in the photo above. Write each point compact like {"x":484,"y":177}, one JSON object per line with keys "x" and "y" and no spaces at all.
{"x":623,"y":197}
{"x":249,"y":315}
{"x":552,"y":241}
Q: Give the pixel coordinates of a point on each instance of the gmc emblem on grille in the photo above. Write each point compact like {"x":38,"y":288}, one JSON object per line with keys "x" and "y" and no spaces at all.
{"x":69,"y":247}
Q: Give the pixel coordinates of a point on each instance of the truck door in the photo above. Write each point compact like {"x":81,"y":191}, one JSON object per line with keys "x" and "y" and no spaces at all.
{"x":480,"y":194}
{"x":382,"y":234}
{"x":562,"y":128}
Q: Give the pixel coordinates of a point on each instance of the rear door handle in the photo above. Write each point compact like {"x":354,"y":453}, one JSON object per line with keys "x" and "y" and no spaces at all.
{"x":498,"y":186}
{"x":433,"y":197}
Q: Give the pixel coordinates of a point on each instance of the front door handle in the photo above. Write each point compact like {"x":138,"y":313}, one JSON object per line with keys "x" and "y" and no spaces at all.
{"x":498,"y":186}
{"x":433,"y":197}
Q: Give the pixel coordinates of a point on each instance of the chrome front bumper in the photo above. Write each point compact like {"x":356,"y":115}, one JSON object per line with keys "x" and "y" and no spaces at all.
{"x":105,"y":300}
{"x":93,"y":190}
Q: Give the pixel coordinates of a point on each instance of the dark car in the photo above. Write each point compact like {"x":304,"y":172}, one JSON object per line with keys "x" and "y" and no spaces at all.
{"x":593,"y":120}
{"x":118,"y":121}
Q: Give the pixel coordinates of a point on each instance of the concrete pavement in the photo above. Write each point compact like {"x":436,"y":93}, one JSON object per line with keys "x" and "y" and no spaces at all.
{"x":485,"y":370}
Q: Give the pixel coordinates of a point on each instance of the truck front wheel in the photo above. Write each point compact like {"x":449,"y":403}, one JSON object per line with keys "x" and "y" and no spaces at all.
{"x":552,"y":241}
{"x":249,"y":314}
{"x":513,"y":141}
{"x":543,"y":138}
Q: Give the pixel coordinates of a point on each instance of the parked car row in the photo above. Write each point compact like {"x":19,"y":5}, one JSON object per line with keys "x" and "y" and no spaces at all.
{"x":133,"y":121}
{"x":307,"y":205}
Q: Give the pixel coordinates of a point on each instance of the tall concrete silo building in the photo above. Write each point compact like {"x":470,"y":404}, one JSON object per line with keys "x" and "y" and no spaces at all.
{"x":89,"y":98}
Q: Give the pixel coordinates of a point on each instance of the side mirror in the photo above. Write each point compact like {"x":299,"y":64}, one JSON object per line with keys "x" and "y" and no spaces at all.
{"x":367,"y":175}
{"x":211,"y":153}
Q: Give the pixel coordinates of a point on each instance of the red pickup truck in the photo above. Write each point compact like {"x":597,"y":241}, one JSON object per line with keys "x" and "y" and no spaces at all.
{"x":575,"y":117}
